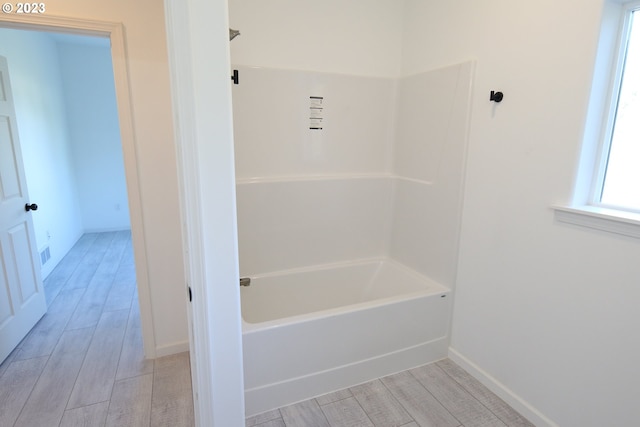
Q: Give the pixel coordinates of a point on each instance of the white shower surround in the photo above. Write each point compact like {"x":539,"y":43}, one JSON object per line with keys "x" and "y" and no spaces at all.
{"x":382,"y":181}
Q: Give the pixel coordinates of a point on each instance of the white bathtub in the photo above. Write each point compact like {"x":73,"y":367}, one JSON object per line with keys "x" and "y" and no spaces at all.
{"x":307,"y":332}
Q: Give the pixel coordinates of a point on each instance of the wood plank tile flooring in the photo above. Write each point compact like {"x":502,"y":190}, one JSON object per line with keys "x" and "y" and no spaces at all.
{"x":82,"y":365}
{"x":440,"y":394}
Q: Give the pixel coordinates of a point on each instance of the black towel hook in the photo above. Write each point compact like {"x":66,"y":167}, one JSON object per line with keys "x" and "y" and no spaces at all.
{"x":496,"y":96}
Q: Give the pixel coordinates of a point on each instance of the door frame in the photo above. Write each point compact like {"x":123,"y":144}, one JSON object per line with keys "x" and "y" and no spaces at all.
{"x":198,"y":50}
{"x":115,"y":32}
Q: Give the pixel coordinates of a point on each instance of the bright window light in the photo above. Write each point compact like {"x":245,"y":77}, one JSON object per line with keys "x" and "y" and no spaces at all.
{"x":621,"y":176}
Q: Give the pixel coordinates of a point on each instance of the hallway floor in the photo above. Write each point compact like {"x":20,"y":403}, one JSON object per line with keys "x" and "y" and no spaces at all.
{"x":83,"y":364}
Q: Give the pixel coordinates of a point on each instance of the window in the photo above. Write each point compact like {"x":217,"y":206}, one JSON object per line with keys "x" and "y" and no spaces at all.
{"x":618,"y":183}
{"x":607,"y":192}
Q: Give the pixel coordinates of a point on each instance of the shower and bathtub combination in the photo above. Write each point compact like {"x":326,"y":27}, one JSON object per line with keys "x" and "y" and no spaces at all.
{"x":349,"y":194}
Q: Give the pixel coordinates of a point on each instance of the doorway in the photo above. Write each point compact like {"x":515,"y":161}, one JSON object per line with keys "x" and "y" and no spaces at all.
{"x":164,"y":364}
{"x":106,"y":34}
{"x":67,"y":120}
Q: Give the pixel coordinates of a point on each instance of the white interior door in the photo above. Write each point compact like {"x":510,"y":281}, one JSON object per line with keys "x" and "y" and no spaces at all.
{"x":22,"y":299}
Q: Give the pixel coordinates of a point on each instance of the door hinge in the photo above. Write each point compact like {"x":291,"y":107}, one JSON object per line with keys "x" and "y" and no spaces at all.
{"x":190,"y":295}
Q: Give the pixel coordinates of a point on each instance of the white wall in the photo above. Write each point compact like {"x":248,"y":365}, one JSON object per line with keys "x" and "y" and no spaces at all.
{"x":145,"y":39}
{"x":41,"y":116}
{"x":547,"y":310}
{"x":360,"y":37}
{"x":92,"y":116}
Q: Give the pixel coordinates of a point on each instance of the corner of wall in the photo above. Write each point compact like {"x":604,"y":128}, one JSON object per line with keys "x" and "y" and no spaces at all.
{"x":501,"y":390}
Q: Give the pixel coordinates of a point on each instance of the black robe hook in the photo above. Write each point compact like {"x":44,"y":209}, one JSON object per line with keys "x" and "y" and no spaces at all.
{"x":496,"y":96}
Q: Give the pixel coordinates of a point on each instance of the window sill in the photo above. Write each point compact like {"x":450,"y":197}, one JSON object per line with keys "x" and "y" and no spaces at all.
{"x":611,"y":220}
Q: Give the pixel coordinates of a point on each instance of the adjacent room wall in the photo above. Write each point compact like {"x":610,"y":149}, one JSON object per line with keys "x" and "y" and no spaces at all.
{"x":544,"y":310}
{"x":92,"y":115}
{"x":41,"y":117}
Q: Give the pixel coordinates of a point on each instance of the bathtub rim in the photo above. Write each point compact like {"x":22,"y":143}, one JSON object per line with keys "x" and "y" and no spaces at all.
{"x":431,"y":288}
{"x":279,"y":179}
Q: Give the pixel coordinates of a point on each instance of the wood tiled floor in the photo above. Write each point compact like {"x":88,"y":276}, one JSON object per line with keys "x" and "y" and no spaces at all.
{"x":437,"y":395}
{"x":82,"y":364}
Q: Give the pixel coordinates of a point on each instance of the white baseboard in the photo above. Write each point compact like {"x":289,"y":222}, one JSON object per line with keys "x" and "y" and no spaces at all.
{"x":170,"y":349}
{"x":502,"y":391}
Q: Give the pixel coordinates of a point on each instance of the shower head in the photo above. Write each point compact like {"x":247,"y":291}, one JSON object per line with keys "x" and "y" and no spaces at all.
{"x":233,"y":34}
